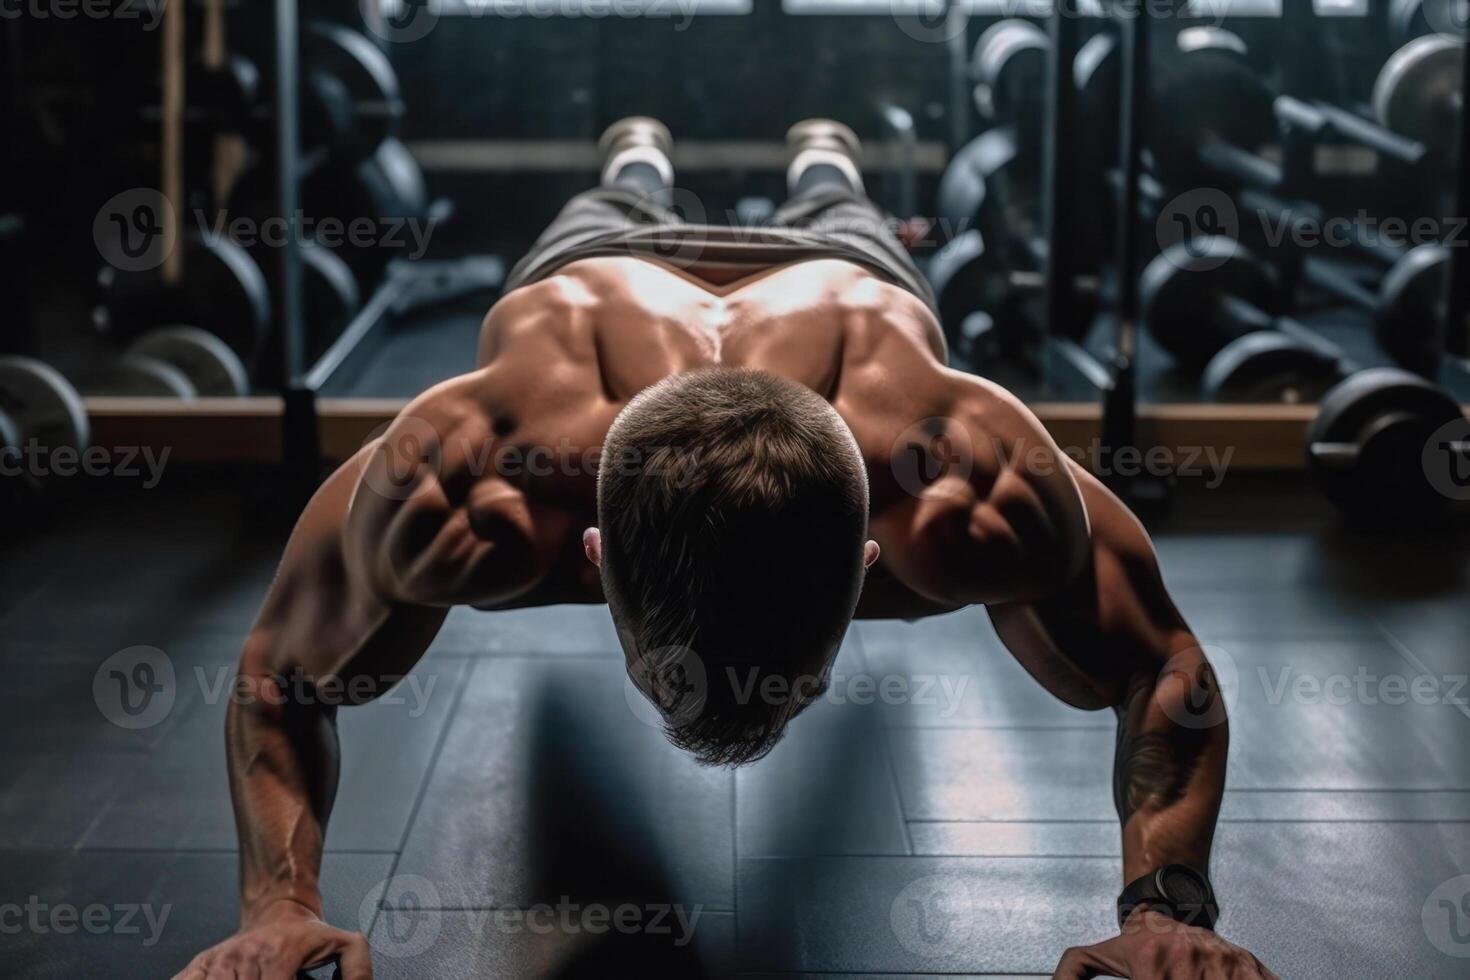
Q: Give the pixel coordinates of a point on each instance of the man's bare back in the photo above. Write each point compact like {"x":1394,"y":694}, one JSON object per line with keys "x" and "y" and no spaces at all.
{"x":481,"y":491}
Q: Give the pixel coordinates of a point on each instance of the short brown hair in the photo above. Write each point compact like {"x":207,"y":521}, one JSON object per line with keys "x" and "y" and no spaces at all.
{"x":733,"y":506}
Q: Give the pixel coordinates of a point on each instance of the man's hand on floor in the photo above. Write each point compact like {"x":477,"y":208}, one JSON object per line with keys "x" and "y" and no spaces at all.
{"x":1155,"y":947}
{"x":283,"y":940}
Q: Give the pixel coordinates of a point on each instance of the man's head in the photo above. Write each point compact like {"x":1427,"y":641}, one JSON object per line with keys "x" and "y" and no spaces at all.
{"x":733,"y":508}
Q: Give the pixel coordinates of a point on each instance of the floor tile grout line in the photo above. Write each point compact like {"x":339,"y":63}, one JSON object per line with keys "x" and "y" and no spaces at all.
{"x":891,"y":763}
{"x":1417,"y":664}
{"x":467,"y":677}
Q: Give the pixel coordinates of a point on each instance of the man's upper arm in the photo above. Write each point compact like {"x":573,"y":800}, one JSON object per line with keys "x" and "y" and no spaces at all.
{"x":322,"y":617}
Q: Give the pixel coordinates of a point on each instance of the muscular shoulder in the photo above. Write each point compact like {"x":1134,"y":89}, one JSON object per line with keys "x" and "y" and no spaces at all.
{"x":439,"y":516}
{"x":976,"y":500}
{"x":555,"y":314}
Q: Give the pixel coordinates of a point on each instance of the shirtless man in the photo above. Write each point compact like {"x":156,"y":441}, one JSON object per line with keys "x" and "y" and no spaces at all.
{"x":779,"y":447}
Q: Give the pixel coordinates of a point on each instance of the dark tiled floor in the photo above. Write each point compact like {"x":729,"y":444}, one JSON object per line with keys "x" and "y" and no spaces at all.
{"x":506,"y":803}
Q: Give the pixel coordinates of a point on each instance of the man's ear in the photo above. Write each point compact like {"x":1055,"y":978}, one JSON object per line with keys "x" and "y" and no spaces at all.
{"x":592,"y":544}
{"x":870,"y":553}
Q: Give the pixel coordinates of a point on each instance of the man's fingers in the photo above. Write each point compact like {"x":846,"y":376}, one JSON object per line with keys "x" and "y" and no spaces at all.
{"x":1085,"y":962}
{"x":357,"y":960}
{"x":194,"y":971}
{"x":1262,"y":970}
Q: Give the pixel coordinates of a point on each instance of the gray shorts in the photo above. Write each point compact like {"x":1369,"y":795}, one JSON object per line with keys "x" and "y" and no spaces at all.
{"x":828,"y":223}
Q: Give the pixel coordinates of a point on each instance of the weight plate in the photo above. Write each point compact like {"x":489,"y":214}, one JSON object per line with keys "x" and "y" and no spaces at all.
{"x":1182,"y":294}
{"x":963,"y":185}
{"x":349,"y":80}
{"x":332,"y":296}
{"x":223,"y":289}
{"x":1411,"y":307}
{"x":44,"y":409}
{"x":1408,"y":19}
{"x":207,"y":362}
{"x":1417,"y":92}
{"x":956,"y":272}
{"x":1009,"y":71}
{"x":387,"y":189}
{"x":1366,"y":445}
{"x":1268,"y":367}
{"x":1207,"y":91}
{"x":10,"y":438}
{"x":1095,"y":74}
{"x":137,"y":376}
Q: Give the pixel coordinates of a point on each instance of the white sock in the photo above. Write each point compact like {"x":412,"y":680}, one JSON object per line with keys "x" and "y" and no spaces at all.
{"x":650,"y":155}
{"x":832,"y":158}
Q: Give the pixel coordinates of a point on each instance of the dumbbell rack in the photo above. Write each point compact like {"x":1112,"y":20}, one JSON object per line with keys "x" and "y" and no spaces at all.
{"x":1115,"y":378}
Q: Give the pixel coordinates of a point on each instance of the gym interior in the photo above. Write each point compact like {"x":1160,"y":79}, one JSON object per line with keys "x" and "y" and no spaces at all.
{"x":1214,"y":247}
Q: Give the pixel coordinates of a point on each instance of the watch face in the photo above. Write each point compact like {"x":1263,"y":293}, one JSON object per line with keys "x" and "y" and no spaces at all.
{"x":1183,"y":887}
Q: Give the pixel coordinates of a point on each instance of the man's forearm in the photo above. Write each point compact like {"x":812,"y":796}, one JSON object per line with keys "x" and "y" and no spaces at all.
{"x":1169,"y":770}
{"x":283,"y":762}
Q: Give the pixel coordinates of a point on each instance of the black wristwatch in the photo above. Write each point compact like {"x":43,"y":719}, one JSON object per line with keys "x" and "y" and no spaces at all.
{"x":1176,"y":890}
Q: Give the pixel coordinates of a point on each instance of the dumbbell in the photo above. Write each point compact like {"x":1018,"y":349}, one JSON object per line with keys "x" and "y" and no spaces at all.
{"x":1205,"y":301}
{"x":223,"y":290}
{"x":1213,"y":112}
{"x":40,"y":412}
{"x":1366,"y":446}
{"x":179,"y":362}
{"x":351,"y":99}
{"x":1008,"y":68}
{"x":330,"y":297}
{"x":1408,"y":19}
{"x":1408,"y":305}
